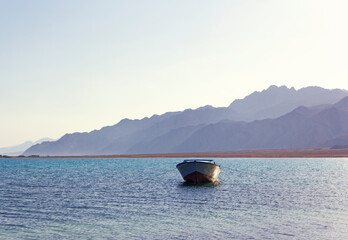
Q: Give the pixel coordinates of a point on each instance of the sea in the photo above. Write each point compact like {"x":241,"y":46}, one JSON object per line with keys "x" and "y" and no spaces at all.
{"x":146,"y":198}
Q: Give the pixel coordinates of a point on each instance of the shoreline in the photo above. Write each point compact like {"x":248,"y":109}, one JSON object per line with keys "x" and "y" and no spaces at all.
{"x":279,"y":153}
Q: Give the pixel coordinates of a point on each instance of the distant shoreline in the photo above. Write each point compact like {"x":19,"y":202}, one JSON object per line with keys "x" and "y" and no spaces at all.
{"x":283,"y":153}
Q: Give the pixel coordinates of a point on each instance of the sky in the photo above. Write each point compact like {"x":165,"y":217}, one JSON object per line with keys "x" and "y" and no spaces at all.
{"x":78,"y":65}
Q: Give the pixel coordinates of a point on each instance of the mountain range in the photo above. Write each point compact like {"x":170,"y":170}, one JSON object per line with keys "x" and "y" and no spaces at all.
{"x":275,"y":118}
{"x":18,"y":149}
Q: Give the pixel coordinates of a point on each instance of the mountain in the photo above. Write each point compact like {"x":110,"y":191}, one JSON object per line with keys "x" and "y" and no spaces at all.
{"x":276,"y":101}
{"x":19,"y":149}
{"x":166,"y":132}
{"x":122,"y":136}
{"x":304,"y":127}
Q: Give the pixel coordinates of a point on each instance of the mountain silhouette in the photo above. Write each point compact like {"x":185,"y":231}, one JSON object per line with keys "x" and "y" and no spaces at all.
{"x":273,"y":118}
{"x":304,"y":127}
{"x":19,"y":149}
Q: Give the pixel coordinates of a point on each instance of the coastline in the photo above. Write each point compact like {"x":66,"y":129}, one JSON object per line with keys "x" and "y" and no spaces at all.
{"x":279,"y":153}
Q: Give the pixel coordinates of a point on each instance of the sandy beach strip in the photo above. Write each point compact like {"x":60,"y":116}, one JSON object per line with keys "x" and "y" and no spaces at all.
{"x":282,"y":153}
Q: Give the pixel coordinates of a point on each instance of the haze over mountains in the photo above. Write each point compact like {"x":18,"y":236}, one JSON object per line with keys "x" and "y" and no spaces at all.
{"x":18,"y":149}
{"x":275,"y":118}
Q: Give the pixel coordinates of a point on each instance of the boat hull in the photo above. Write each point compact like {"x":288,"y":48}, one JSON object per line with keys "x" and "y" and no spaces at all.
{"x":199,"y":172}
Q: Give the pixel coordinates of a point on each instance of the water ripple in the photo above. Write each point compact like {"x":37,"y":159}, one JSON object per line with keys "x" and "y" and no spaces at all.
{"x":147,"y":199}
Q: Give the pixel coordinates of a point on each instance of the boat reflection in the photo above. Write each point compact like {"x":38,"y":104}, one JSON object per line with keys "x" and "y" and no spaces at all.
{"x":207,"y":184}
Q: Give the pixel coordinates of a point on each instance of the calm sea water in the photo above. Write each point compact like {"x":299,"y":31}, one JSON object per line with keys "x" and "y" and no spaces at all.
{"x":147,"y":199}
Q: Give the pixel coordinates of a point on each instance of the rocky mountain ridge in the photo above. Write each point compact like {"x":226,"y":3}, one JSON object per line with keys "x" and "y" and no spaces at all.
{"x":204,"y":129}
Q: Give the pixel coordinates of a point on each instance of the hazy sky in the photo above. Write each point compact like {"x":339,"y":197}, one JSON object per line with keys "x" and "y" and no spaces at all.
{"x":68,"y":66}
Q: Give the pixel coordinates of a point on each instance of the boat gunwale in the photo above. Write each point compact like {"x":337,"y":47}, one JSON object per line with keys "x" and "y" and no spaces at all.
{"x":210,"y":163}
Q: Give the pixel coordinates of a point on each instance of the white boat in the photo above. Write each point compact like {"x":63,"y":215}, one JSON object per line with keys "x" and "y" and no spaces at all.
{"x":199,"y":170}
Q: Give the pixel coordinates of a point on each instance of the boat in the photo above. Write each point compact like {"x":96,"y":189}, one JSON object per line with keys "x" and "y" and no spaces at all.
{"x":199,"y":170}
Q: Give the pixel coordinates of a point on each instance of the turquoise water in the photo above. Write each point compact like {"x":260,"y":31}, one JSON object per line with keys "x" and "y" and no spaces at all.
{"x":146,"y":199}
